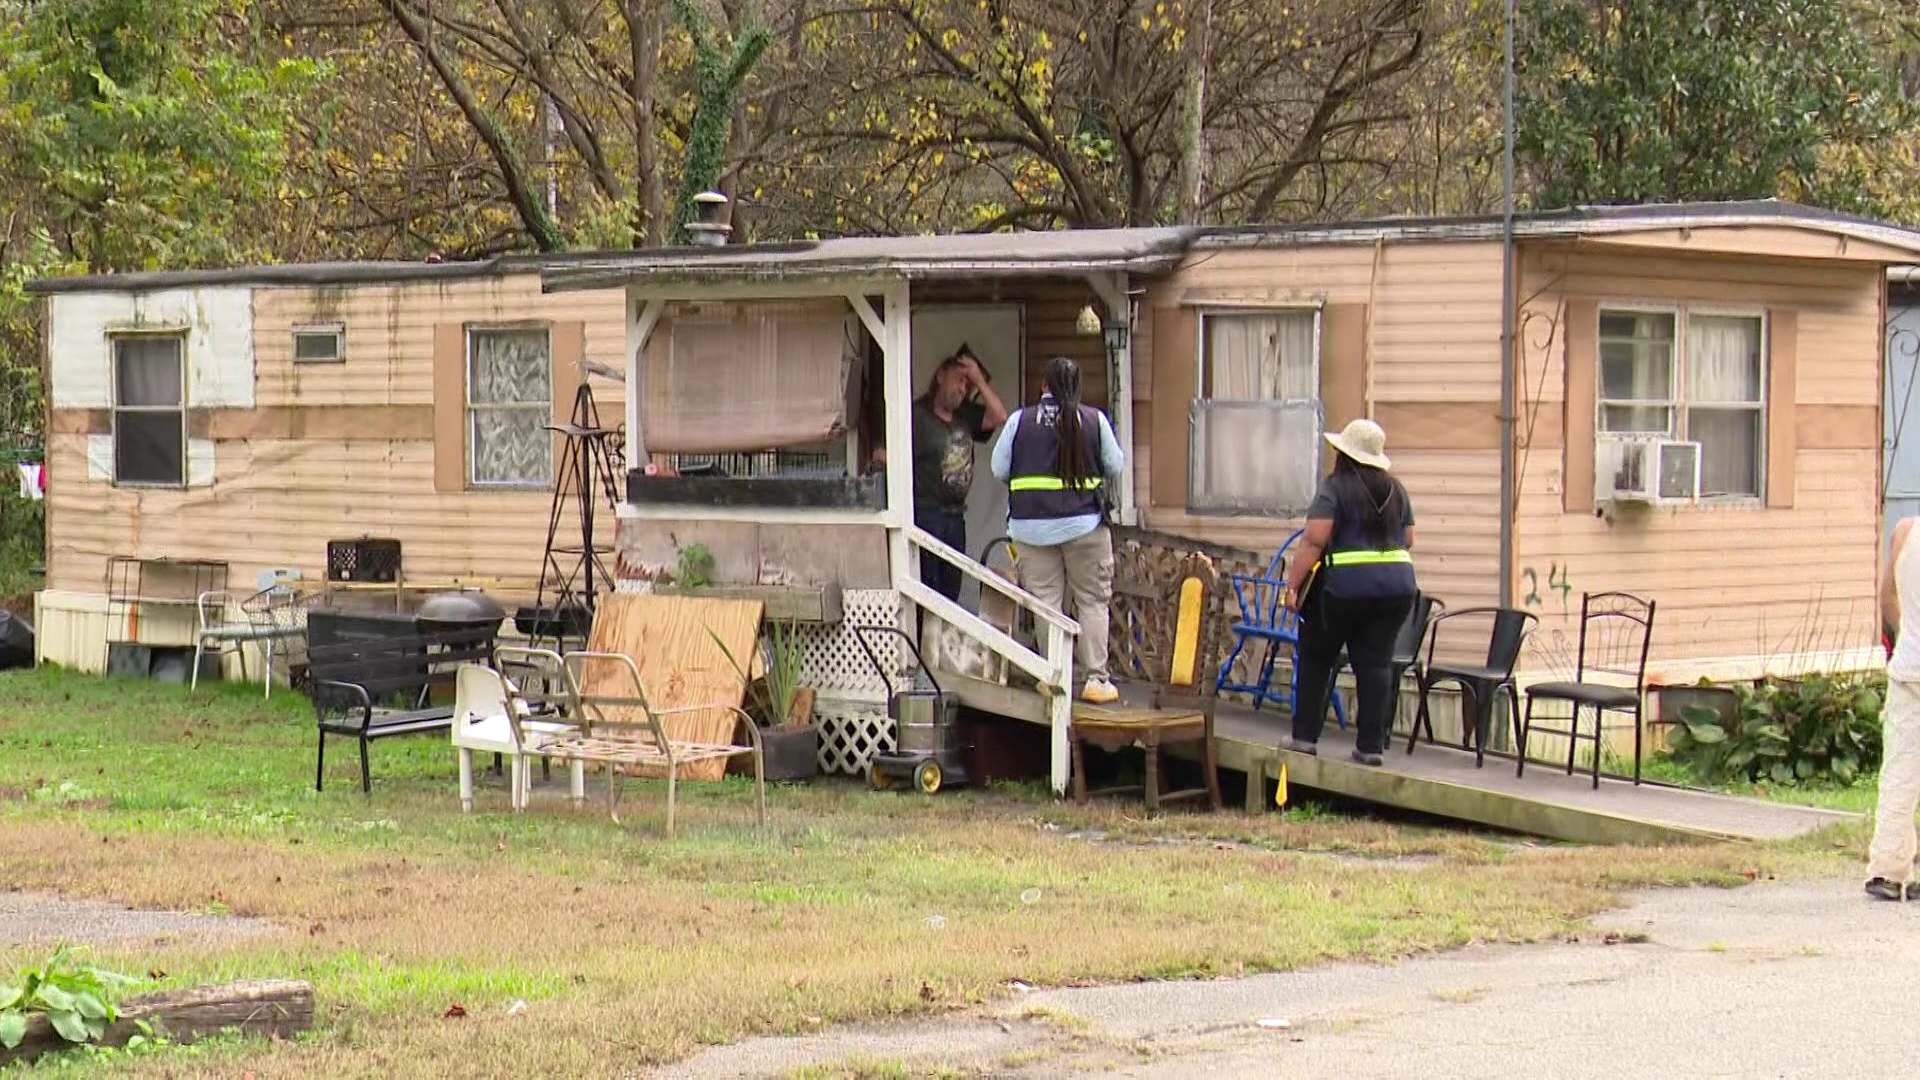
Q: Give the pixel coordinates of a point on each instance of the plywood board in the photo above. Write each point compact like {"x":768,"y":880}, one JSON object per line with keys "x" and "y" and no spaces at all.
{"x":671,"y":638}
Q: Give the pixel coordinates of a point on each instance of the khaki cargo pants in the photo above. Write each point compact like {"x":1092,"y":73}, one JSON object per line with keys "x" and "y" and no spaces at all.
{"x":1891,"y":855}
{"x":1081,"y":568}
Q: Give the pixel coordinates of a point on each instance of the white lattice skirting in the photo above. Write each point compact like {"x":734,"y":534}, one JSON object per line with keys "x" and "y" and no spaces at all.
{"x":851,"y":732}
{"x":835,"y":666}
{"x":851,"y":710}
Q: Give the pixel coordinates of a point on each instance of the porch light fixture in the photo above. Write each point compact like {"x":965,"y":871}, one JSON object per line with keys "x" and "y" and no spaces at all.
{"x":1088,"y":321}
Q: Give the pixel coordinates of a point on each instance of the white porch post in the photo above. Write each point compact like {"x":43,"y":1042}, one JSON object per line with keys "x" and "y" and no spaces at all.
{"x":896,"y":347}
{"x":1112,"y":289}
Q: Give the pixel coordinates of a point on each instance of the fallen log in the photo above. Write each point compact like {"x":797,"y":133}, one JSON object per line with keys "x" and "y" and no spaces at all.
{"x":276,"y":1008}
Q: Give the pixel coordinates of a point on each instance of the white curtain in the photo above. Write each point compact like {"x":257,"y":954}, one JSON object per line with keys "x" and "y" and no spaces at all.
{"x":146,"y":372}
{"x":1724,"y":401}
{"x":1262,"y":357}
{"x":511,"y":393}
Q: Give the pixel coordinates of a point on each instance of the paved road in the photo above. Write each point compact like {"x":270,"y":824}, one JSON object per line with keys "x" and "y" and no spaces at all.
{"x":1771,"y":980}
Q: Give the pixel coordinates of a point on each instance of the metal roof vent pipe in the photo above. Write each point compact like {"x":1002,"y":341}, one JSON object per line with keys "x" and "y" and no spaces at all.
{"x":709,"y":227}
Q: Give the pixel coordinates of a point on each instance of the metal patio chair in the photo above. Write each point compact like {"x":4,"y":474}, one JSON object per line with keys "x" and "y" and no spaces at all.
{"x":1480,"y":683}
{"x":1616,"y":629}
{"x":266,"y":618}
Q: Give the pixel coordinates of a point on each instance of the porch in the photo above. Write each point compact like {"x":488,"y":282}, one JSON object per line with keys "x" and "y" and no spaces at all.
{"x":762,"y":381}
{"x":1442,"y":780}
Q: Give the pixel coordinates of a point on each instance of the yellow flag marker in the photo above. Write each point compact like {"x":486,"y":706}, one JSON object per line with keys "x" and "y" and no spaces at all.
{"x":1280,"y":789}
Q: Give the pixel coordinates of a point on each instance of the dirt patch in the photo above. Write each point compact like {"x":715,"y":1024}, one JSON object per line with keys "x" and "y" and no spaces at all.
{"x":38,"y":917}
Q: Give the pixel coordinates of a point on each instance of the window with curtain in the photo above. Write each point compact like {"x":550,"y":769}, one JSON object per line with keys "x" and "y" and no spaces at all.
{"x":1696,"y":376}
{"x":149,"y":410}
{"x":1255,"y":427}
{"x":509,"y":405}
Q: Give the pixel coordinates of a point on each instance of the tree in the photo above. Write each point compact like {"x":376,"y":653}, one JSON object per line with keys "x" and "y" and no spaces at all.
{"x":1657,"y":101}
{"x":720,"y":75}
{"x":133,"y":136}
{"x":1068,"y":113}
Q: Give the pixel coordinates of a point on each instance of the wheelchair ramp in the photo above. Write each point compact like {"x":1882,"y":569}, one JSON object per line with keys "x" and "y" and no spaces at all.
{"x":1443,"y":781}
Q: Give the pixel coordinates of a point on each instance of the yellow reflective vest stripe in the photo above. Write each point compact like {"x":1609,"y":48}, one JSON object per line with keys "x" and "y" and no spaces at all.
{"x":1369,"y":558}
{"x":1048,"y":483}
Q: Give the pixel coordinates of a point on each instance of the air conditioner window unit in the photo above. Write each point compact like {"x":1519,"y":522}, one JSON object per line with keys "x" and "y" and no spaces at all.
{"x":1642,"y":469}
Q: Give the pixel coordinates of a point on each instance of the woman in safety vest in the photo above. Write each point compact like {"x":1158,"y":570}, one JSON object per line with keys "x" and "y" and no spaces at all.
{"x":1058,"y":459}
{"x":1355,"y":568}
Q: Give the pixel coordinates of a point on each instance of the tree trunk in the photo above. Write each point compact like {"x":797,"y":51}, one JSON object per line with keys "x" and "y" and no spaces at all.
{"x":1193,"y":155}
{"x":278,"y":1008}
{"x":646,"y":25}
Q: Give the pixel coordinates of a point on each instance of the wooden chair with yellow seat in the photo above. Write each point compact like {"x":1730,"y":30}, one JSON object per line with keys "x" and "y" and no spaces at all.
{"x":1175,"y":623}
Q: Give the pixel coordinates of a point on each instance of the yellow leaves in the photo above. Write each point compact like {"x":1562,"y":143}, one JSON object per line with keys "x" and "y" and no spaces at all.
{"x":1146,"y":24}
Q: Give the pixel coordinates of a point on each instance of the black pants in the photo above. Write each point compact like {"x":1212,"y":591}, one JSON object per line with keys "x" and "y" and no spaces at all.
{"x":950,"y":528}
{"x":1366,"y":629}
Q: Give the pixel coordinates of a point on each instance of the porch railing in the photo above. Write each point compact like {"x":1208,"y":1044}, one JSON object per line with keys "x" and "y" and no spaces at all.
{"x":1052,"y":668}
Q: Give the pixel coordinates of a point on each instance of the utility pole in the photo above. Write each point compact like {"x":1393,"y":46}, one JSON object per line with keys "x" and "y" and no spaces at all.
{"x":1507,"y":361}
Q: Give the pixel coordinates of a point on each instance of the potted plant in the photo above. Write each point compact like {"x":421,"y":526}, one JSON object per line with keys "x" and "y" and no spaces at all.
{"x":789,"y":739}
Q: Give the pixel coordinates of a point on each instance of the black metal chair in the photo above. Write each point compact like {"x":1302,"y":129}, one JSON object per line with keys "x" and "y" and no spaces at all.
{"x":1406,"y":650}
{"x":1480,"y":684}
{"x":1616,"y":629}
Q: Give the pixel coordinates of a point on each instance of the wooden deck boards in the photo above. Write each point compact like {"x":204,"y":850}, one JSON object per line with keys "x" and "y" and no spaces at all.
{"x":1442,"y":780}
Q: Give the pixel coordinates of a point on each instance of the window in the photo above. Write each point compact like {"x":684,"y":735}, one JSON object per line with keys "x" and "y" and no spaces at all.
{"x":149,"y":413}
{"x":509,"y":405}
{"x":1692,"y":375}
{"x":319,"y":344}
{"x":1256,"y":426}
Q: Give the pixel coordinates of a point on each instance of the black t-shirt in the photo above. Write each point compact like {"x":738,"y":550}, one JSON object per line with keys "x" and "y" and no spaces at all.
{"x":1326,"y":507}
{"x":943,"y":454}
{"x":1360,"y":582}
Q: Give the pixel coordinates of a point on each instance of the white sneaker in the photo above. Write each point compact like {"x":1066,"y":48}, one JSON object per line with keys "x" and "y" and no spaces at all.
{"x":1099,"y":691}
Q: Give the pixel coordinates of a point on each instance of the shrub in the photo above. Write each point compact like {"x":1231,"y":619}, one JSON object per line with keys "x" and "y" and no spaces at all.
{"x":1818,"y":728}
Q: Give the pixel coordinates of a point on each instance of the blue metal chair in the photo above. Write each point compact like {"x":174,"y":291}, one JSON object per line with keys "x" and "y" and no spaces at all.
{"x":1264,"y":617}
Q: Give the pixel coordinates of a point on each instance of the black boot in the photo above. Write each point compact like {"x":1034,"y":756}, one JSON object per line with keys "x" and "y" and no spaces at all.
{"x":1881,"y":889}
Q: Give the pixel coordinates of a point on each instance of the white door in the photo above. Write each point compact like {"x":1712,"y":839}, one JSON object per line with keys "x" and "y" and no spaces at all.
{"x":996,"y":334}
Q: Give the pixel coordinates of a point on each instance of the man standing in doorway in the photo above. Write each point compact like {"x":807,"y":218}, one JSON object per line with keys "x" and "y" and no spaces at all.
{"x":1890,"y":859}
{"x":958,"y":410}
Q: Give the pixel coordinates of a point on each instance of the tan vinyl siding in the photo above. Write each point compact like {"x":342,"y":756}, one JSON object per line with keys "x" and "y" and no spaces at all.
{"x":389,"y":335}
{"x":1749,"y":584}
{"x":1431,"y":346}
{"x":275,"y":501}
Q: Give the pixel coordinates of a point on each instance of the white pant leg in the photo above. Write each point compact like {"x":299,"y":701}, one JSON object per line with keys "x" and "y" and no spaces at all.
{"x":1891,"y":855}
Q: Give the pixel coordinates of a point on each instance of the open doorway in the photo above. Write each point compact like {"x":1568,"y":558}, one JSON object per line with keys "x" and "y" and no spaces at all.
{"x":996,"y":333}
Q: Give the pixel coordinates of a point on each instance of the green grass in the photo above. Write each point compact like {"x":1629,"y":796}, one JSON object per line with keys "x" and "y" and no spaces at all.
{"x":1857,"y":797}
{"x":629,"y":948}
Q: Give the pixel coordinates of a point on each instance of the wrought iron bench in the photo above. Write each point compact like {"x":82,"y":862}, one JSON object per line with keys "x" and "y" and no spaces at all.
{"x":373,"y":689}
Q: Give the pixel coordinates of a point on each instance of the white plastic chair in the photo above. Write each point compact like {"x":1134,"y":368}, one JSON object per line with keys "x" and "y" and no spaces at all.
{"x":480,"y":701}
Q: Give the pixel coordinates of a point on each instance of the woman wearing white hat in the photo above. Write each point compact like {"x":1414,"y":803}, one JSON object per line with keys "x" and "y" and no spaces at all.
{"x":1355,"y":569}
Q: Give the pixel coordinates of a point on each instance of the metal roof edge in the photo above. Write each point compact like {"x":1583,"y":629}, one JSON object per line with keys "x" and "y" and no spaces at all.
{"x":273,"y":274}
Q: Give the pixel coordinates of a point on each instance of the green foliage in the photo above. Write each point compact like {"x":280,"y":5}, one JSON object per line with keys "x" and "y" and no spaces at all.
{"x":77,"y":1000}
{"x":783,"y":655}
{"x":719,"y":75}
{"x":141,"y":138}
{"x":693,"y":567}
{"x":1655,"y":101}
{"x":1821,"y":728}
